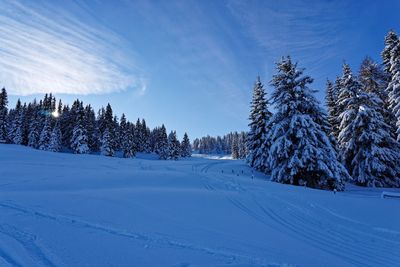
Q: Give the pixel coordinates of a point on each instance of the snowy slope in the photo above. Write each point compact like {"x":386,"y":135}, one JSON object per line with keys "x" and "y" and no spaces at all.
{"x":85,"y":210}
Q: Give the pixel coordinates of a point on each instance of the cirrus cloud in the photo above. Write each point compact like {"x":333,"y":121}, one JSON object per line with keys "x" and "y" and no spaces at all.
{"x":45,"y":49}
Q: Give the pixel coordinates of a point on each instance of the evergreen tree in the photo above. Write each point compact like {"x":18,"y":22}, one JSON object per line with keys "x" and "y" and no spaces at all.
{"x":372,"y":80}
{"x":34,"y":127}
{"x":235,"y":147}
{"x":173,"y":146}
{"x":162,"y":143}
{"x":18,"y":127}
{"x":15,"y":119}
{"x":391,"y":41}
{"x":139,"y":136}
{"x":3,"y":115}
{"x":301,"y":152}
{"x":242,"y":145}
{"x":330,"y":101}
{"x":65,"y":125}
{"x":349,"y":89}
{"x":59,"y":108}
{"x":79,"y":139}
{"x":126,"y":138}
{"x":106,"y":144}
{"x":55,"y":138}
{"x":145,"y":135}
{"x":186,"y":149}
{"x":115,"y":134}
{"x":376,"y":153}
{"x":259,"y":116}
{"x":45,"y":135}
{"x":27,"y":117}
{"x":394,"y":86}
{"x":69,"y":120}
{"x":90,"y":122}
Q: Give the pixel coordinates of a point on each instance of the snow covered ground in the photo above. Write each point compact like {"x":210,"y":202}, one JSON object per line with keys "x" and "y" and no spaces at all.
{"x":85,"y":210}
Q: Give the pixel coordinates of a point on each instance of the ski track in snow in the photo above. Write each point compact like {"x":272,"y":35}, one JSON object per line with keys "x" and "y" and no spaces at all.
{"x":28,"y":240}
{"x":8,"y":259}
{"x":318,"y":231}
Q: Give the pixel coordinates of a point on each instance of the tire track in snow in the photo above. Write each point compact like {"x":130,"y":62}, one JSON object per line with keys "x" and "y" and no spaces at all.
{"x":229,"y":257}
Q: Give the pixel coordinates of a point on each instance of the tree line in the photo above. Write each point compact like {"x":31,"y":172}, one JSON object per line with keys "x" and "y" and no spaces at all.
{"x":356,"y":140}
{"x":233,"y":143}
{"x":51,"y":126}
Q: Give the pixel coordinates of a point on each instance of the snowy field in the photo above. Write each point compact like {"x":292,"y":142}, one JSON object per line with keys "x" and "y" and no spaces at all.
{"x":85,"y":210}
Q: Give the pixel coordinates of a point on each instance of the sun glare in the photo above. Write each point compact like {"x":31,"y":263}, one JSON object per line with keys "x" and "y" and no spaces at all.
{"x":55,"y":114}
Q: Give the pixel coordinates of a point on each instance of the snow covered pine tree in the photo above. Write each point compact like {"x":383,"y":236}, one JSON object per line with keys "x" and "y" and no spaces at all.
{"x":161,"y":146}
{"x":393,"y":88}
{"x":259,"y":116}
{"x":3,"y":115}
{"x":368,"y":150}
{"x":186,"y":149}
{"x":79,"y":139}
{"x":301,"y":153}
{"x":174,"y":146}
{"x":55,"y":138}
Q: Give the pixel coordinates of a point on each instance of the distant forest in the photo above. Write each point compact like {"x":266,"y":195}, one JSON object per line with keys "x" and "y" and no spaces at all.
{"x":51,"y":126}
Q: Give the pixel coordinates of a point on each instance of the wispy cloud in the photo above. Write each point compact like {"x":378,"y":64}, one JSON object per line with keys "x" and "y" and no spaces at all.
{"x":44,"y":49}
{"x":199,"y":49}
{"x":313,"y":32}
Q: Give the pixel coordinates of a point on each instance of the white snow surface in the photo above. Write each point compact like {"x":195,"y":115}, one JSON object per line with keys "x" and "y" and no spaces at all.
{"x":86,"y":210}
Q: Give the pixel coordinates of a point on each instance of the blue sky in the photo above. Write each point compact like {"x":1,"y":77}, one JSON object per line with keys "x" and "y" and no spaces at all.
{"x":188,"y":64}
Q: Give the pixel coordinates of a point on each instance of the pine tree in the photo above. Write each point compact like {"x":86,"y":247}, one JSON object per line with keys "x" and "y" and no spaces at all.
{"x":115,"y":134}
{"x":394,"y":86}
{"x":106,"y":144}
{"x":242,"y":145}
{"x":145,"y":134}
{"x":15,"y":124}
{"x":173,"y":146}
{"x":3,"y":115}
{"x":186,"y":149}
{"x":259,"y":116}
{"x":18,"y":127}
{"x":391,"y":41}
{"x":368,"y":150}
{"x":139,"y":135}
{"x":162,"y":143}
{"x":55,"y":138}
{"x":349,"y":89}
{"x":235,"y":147}
{"x":126,"y":138}
{"x":376,"y":154}
{"x":69,"y":121}
{"x":34,"y":131}
{"x":65,"y":124}
{"x":45,"y":135}
{"x":330,"y":101}
{"x":79,"y":139}
{"x":59,"y":108}
{"x":301,"y":152}
{"x":372,"y":80}
{"x":90,"y":122}
{"x":27,"y":111}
